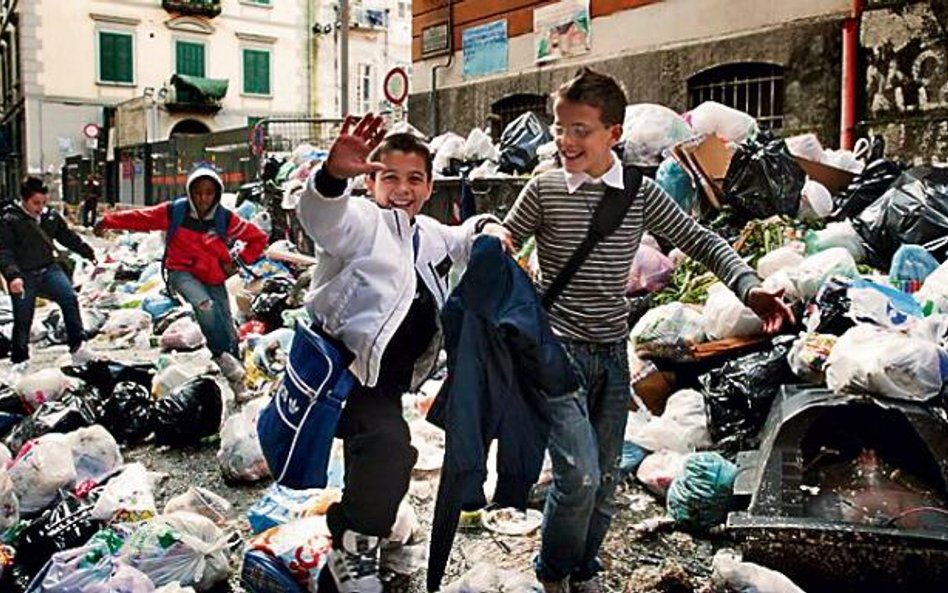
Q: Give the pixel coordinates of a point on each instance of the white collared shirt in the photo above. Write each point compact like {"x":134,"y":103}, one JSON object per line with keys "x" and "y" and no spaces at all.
{"x":612,"y":178}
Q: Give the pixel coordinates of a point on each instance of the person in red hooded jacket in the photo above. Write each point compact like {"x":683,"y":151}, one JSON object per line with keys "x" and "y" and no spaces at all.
{"x":198,"y":261}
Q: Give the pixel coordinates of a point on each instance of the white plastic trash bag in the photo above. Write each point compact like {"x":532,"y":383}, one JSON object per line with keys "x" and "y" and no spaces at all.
{"x":869,"y":359}
{"x":9,"y":503}
{"x":128,"y":497}
{"x":782,"y":258}
{"x":935,"y":290}
{"x":837,"y":234}
{"x":179,"y":547}
{"x":446,"y":147}
{"x":95,"y":453}
{"x":648,"y":130}
{"x":41,"y":468}
{"x":816,"y":269}
{"x":807,"y":146}
{"x":660,"y":469}
{"x":727,"y":123}
{"x":126,"y":321}
{"x":727,"y":317}
{"x":203,"y":502}
{"x":479,"y":146}
{"x":816,"y":202}
{"x":240,"y":455}
{"x":682,"y":427}
{"x":42,"y":386}
{"x":183,"y":334}
{"x":730,"y":574}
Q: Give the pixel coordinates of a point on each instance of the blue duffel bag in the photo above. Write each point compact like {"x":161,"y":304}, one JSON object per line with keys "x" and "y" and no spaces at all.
{"x":297,"y":427}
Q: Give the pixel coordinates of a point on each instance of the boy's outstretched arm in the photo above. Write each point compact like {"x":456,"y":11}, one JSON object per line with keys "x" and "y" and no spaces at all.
{"x":665,"y":218}
{"x":323,"y":209}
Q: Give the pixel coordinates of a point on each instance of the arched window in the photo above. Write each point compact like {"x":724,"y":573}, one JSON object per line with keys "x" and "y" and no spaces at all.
{"x":755,"y":88}
{"x":511,"y":107}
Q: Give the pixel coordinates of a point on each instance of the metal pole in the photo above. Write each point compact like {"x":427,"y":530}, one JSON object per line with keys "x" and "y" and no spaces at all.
{"x":344,"y":57}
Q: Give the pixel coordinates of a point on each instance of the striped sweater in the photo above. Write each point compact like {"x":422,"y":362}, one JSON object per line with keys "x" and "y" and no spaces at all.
{"x":593,"y":307}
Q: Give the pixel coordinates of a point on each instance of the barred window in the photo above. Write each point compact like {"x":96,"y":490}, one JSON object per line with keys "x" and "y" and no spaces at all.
{"x":511,"y":107}
{"x":753,"y":87}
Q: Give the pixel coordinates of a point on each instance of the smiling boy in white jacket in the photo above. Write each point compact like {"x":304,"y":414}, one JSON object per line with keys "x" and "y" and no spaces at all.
{"x":380,"y":283}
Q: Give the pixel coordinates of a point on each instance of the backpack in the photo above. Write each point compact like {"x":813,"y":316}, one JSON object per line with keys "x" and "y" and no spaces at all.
{"x":177,"y":211}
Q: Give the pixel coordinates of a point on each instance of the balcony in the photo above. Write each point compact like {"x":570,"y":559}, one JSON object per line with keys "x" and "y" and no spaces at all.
{"x":194,"y":94}
{"x":205,"y":8}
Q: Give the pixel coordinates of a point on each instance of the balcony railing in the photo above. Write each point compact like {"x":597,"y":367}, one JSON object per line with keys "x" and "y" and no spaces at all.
{"x":205,"y":8}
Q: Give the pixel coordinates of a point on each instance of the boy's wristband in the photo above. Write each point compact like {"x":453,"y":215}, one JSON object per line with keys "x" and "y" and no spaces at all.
{"x":327,"y":185}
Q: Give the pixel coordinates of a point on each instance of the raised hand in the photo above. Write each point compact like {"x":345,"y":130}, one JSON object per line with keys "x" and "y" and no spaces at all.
{"x":348,"y":156}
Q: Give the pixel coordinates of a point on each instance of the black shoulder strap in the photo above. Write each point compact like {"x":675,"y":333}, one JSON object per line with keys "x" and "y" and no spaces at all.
{"x":609,"y":214}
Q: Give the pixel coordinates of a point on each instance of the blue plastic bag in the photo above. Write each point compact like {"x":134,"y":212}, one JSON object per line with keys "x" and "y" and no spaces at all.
{"x":674,"y":180}
{"x":263,"y":573}
{"x":157,"y":305}
{"x":911,"y":263}
{"x":701,"y":496}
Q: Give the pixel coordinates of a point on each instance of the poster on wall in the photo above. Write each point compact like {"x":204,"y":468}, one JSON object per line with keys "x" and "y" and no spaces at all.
{"x":484,"y":49}
{"x":561,"y":30}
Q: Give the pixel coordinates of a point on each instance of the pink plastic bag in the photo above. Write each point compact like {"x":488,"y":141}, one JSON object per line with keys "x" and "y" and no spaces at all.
{"x":650,"y":271}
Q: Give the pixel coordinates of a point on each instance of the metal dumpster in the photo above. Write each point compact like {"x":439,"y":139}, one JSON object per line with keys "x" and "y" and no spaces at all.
{"x":494,"y":195}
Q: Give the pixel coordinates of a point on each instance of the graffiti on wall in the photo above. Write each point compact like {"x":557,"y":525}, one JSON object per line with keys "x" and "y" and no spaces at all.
{"x":906,"y":52}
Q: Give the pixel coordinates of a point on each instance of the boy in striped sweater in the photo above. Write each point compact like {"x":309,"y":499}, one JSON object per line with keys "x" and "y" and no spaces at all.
{"x":591,"y":314}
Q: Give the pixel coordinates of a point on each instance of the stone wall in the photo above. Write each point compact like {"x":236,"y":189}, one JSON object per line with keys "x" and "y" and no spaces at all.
{"x":809,"y":51}
{"x":905,"y":52}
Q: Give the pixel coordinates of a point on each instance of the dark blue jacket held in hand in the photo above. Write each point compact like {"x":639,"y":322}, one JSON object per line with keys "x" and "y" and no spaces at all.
{"x":503,"y":362}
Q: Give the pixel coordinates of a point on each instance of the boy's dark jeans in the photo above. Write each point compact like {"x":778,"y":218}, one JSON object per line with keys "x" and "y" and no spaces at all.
{"x":586,"y":433}
{"x":52,"y":283}
{"x":378,"y":462}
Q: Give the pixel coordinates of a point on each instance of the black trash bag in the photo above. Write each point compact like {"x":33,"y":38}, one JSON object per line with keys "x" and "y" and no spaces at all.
{"x":10,"y":401}
{"x":104,"y":375}
{"x":189,"y":413}
{"x":738,"y":395}
{"x":867,"y":187}
{"x":68,"y":524}
{"x":128,"y":272}
{"x":763,"y":179}
{"x":92,"y":322}
{"x":828,"y":312}
{"x":519,"y":143}
{"x":79,"y":407}
{"x":128,"y":413}
{"x":275,"y":297}
{"x":5,"y":346}
{"x":914,"y":211}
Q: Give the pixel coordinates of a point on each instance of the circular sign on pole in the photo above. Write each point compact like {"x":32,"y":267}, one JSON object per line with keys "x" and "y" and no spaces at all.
{"x":91,"y":130}
{"x":396,"y":86}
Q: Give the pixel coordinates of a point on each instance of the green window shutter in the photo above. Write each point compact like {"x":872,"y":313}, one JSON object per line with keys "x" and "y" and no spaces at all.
{"x":115,"y":57}
{"x":256,"y":72}
{"x":189,"y":58}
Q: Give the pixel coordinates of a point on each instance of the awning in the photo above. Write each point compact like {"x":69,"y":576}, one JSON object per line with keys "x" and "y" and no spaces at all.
{"x":211,"y":89}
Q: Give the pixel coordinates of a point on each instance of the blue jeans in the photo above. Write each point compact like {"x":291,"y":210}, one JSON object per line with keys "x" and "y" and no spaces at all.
{"x":585,"y":448}
{"x":211,"y":309}
{"x":51,"y":283}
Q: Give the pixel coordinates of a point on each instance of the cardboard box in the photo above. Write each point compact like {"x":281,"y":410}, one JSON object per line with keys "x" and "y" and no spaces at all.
{"x":833,"y":178}
{"x":706,"y":159}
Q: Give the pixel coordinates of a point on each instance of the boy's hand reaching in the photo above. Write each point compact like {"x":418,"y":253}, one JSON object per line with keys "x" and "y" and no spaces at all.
{"x":349,"y":153}
{"x":771,"y":309}
{"x":500,"y":231}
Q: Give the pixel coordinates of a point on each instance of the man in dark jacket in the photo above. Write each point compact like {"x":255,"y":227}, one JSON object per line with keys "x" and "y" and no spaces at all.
{"x":28,"y":262}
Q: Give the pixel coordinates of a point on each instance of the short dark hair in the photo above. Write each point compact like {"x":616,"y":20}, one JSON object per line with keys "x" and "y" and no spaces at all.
{"x":404,"y":142}
{"x":32,"y":185}
{"x":596,"y":90}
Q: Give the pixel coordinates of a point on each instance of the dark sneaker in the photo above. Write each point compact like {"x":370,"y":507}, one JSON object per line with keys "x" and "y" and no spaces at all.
{"x":588,"y":586}
{"x":355,"y":566}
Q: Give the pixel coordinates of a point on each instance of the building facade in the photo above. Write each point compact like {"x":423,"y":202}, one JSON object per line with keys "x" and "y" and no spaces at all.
{"x":160,"y":66}
{"x":379,"y":39}
{"x":779,"y":61}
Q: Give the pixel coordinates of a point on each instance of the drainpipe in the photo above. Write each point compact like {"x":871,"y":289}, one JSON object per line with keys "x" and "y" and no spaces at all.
{"x":434,"y":71}
{"x":850,"y":76}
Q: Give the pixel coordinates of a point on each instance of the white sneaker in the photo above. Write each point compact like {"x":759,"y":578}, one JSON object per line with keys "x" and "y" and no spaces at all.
{"x":83,"y":355}
{"x":355,"y":567}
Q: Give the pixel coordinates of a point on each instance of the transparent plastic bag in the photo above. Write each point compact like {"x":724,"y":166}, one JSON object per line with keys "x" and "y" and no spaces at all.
{"x":240,"y":456}
{"x":836,"y":234}
{"x":726,"y":122}
{"x":727,"y":317}
{"x":9,"y":503}
{"x":179,"y":547}
{"x":808,"y":356}
{"x":782,"y":258}
{"x":668,"y":331}
{"x":47,"y":385}
{"x":650,"y":271}
{"x":128,"y":497}
{"x":648,"y":130}
{"x":816,"y":202}
{"x":869,"y":359}
{"x":674,"y":180}
{"x":95,"y":453}
{"x":660,"y":469}
{"x":934,"y":292}
{"x":911,"y":264}
{"x":183,"y":334}
{"x":203,"y":502}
